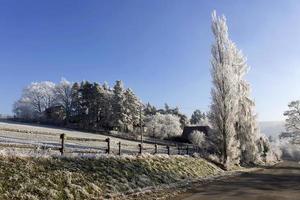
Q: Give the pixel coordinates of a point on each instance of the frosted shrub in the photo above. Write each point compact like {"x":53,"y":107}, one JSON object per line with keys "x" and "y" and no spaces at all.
{"x":163,"y":125}
{"x":290,"y":151}
{"x":198,"y":138}
{"x":269,"y":152}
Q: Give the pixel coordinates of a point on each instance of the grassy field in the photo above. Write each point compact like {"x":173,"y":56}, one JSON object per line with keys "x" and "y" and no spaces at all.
{"x":95,"y":178}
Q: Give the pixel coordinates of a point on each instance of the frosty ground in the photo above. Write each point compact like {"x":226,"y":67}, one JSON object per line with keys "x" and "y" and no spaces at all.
{"x":43,"y":174}
{"x":17,"y":134}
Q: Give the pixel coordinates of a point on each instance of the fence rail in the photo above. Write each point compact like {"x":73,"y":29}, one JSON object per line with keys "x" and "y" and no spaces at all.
{"x":109,"y":147}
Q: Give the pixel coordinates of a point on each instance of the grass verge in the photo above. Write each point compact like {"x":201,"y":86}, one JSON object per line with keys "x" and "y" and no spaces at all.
{"x":94,"y":178}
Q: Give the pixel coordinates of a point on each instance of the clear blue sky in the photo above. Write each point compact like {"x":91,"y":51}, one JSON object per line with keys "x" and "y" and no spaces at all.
{"x":160,"y":48}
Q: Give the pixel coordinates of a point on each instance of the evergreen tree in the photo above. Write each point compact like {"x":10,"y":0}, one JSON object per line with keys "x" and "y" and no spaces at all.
{"x":197,"y":117}
{"x":75,"y":105}
{"x":106,"y":107}
{"x":292,"y":123}
{"x":149,"y":109}
{"x":119,"y":113}
{"x":133,"y":109}
{"x":86,"y":104}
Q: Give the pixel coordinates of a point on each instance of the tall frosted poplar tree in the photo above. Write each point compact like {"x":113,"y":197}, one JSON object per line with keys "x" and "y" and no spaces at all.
{"x":224,"y":92}
{"x":232,"y":109}
{"x":246,"y":126}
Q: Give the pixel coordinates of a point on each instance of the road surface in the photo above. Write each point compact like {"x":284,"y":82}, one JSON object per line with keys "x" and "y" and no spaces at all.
{"x":281,"y":182}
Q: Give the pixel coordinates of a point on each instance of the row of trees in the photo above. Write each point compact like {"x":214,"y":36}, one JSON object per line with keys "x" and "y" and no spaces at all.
{"x":232,"y":110}
{"x":88,"y":105}
{"x":95,"y":106}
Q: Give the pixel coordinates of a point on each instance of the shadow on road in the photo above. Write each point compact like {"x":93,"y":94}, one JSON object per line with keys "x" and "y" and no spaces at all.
{"x":278,"y":182}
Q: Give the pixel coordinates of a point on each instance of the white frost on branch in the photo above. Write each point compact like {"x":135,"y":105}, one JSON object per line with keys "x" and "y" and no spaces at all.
{"x":198,"y":138}
{"x":224,"y":99}
{"x":163,"y":125}
{"x":292,"y":123}
{"x":63,"y":96}
{"x":35,"y":99}
{"x":232,"y":110}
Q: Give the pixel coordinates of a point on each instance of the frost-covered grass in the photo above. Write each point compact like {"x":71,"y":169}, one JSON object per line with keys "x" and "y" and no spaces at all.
{"x":94,"y":178}
{"x":16,"y":133}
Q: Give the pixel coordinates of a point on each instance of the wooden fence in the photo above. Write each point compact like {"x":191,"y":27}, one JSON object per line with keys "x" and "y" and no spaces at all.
{"x":107,"y":146}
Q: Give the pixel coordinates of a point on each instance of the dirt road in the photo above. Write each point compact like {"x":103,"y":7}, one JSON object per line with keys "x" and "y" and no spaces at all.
{"x":278,"y":182}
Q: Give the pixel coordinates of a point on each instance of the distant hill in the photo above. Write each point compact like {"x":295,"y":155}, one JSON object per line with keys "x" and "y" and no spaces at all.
{"x":273,"y":128}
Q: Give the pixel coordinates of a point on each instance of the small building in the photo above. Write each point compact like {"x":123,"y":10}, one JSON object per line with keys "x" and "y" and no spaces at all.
{"x":187,"y":131}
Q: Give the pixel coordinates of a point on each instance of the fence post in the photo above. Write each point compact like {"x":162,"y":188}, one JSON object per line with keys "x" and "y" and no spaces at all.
{"x":187,"y":149}
{"x":119,"y":148}
{"x":178,"y":149}
{"x":140,"y":148}
{"x":168,"y":148}
{"x":108,"y":145}
{"x":155,"y":149}
{"x":62,"y":148}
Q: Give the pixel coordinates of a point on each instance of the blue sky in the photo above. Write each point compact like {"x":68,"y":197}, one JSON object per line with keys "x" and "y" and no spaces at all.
{"x":160,"y":48}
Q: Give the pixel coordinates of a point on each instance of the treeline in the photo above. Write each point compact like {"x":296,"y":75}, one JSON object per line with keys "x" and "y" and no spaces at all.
{"x":87,"y":105}
{"x":95,"y":106}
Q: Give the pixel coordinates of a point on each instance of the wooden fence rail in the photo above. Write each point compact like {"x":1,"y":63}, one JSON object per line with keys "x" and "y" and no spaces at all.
{"x":64,"y":148}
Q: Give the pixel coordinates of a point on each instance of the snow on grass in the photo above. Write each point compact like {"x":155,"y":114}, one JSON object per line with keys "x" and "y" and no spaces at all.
{"x":94,"y":178}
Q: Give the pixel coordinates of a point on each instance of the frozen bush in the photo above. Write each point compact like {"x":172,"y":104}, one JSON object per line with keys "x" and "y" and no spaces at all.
{"x":163,"y":125}
{"x":198,"y":138}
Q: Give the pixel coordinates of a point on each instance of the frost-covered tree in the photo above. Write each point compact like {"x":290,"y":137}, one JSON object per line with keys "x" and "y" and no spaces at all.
{"x":224,"y":105}
{"x":23,"y":109}
{"x":292,"y":123}
{"x":268,"y":154}
{"x":36,"y":97}
{"x":106,"y":106}
{"x":175,"y":111}
{"x":246,"y":126}
{"x":149,"y":109}
{"x":197,"y":117}
{"x":118,"y":112}
{"x":96,"y":102}
{"x":163,"y":125}
{"x":87,"y":105}
{"x":232,"y":110}
{"x":63,"y":96}
{"x":75,"y":105}
{"x":91,"y":105}
{"x":133,"y":110}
